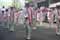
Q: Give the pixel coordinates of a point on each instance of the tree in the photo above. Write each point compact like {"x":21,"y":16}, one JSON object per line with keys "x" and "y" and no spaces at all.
{"x":29,"y":0}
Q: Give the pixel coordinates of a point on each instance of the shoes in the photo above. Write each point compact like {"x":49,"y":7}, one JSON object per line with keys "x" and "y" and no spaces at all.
{"x":28,"y":39}
{"x":11,"y":31}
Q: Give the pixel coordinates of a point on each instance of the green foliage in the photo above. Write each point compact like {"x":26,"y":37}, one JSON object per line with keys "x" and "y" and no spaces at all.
{"x":5,"y":4}
{"x":29,"y":0}
{"x":18,"y":5}
{"x":14,"y":3}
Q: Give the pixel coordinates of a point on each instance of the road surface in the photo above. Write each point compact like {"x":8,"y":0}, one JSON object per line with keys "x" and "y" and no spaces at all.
{"x":38,"y":34}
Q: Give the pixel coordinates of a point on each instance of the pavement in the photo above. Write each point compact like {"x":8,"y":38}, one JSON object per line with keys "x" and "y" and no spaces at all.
{"x":40,"y":33}
{"x":46,"y":25}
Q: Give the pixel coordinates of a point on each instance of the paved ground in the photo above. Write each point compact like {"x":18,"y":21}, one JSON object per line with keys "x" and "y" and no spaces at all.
{"x":38,"y":34}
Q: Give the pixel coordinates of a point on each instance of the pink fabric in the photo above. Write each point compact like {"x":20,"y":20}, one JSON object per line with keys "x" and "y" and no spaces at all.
{"x":30,"y":12}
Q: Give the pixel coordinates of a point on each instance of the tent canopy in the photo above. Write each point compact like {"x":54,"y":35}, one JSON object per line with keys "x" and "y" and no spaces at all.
{"x":54,"y":4}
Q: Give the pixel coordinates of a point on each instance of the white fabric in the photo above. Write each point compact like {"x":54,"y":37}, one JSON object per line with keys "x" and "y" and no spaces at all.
{"x":38,"y":16}
{"x":25,"y":13}
{"x":22,"y":16}
{"x":3,"y":9}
